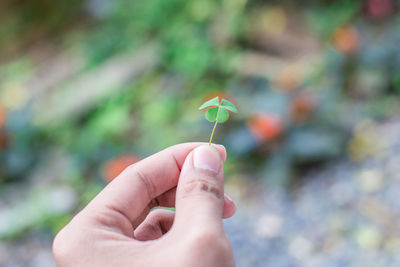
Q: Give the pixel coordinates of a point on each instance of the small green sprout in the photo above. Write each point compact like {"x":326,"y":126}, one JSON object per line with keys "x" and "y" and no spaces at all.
{"x":218,"y":113}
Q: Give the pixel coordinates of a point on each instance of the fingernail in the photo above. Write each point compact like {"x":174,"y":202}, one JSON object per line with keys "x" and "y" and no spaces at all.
{"x":223,"y":154}
{"x":228,"y":197}
{"x":220,"y":146}
{"x":206,"y":157}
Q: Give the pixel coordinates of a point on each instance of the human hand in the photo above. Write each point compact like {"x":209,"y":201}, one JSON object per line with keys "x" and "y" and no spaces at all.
{"x":117,"y":228}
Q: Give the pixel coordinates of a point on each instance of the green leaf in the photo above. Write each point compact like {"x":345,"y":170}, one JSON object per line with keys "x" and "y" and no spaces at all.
{"x":228,"y":105}
{"x":210,"y":103}
{"x":211,"y":114}
{"x":222,"y":115}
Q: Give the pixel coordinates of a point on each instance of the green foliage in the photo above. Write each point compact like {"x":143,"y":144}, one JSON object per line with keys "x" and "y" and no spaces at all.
{"x":184,"y":30}
{"x":325,"y":19}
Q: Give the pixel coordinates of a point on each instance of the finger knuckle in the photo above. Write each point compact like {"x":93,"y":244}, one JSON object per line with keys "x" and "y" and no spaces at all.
{"x":131,"y":168}
{"x":201,"y":186}
{"x":136,"y":171}
{"x":148,"y":184}
{"x":110,"y":216}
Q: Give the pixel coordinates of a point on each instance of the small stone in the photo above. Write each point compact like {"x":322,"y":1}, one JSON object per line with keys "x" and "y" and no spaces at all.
{"x":368,"y":237}
{"x":269,"y":226}
{"x":370,"y":180}
{"x":300,"y":247}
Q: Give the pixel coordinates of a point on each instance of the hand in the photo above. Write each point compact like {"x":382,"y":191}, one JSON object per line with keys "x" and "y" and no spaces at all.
{"x":117,"y":227}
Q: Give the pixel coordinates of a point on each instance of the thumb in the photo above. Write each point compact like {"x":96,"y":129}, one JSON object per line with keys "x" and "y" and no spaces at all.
{"x":200,"y":190}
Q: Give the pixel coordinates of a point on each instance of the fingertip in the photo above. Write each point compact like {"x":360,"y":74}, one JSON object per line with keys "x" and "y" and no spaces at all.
{"x":229,"y":207}
{"x":222,"y":151}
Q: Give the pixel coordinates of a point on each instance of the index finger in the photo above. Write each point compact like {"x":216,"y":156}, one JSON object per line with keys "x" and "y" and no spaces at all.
{"x":134,"y":188}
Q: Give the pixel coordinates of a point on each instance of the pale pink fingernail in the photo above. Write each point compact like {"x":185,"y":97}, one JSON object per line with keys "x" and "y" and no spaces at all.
{"x":228,"y":197}
{"x":206,"y":157}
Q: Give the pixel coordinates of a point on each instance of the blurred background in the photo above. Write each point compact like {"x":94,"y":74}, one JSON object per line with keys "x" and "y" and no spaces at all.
{"x":90,"y":87}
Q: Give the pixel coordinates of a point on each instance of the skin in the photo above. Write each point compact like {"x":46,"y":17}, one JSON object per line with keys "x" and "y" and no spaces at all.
{"x":117,"y":227}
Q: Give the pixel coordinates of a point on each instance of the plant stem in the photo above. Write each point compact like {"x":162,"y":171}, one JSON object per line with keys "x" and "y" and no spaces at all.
{"x":212,"y":133}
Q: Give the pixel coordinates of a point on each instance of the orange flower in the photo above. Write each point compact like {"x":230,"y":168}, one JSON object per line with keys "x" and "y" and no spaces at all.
{"x":265,"y":127}
{"x":346,"y":39}
{"x":114,"y":167}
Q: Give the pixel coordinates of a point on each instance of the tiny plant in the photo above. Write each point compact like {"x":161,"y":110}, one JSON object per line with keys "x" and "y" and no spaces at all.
{"x":218,"y":112}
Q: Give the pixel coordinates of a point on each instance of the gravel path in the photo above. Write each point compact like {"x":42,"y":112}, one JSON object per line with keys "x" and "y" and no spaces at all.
{"x":346,"y":214}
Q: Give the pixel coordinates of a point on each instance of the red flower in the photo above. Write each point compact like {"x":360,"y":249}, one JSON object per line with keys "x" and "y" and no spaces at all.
{"x":346,"y":40}
{"x":265,"y":127}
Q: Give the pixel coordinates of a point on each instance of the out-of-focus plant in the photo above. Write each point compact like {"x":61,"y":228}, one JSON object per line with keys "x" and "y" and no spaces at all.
{"x":325,"y":18}
{"x":28,"y":22}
